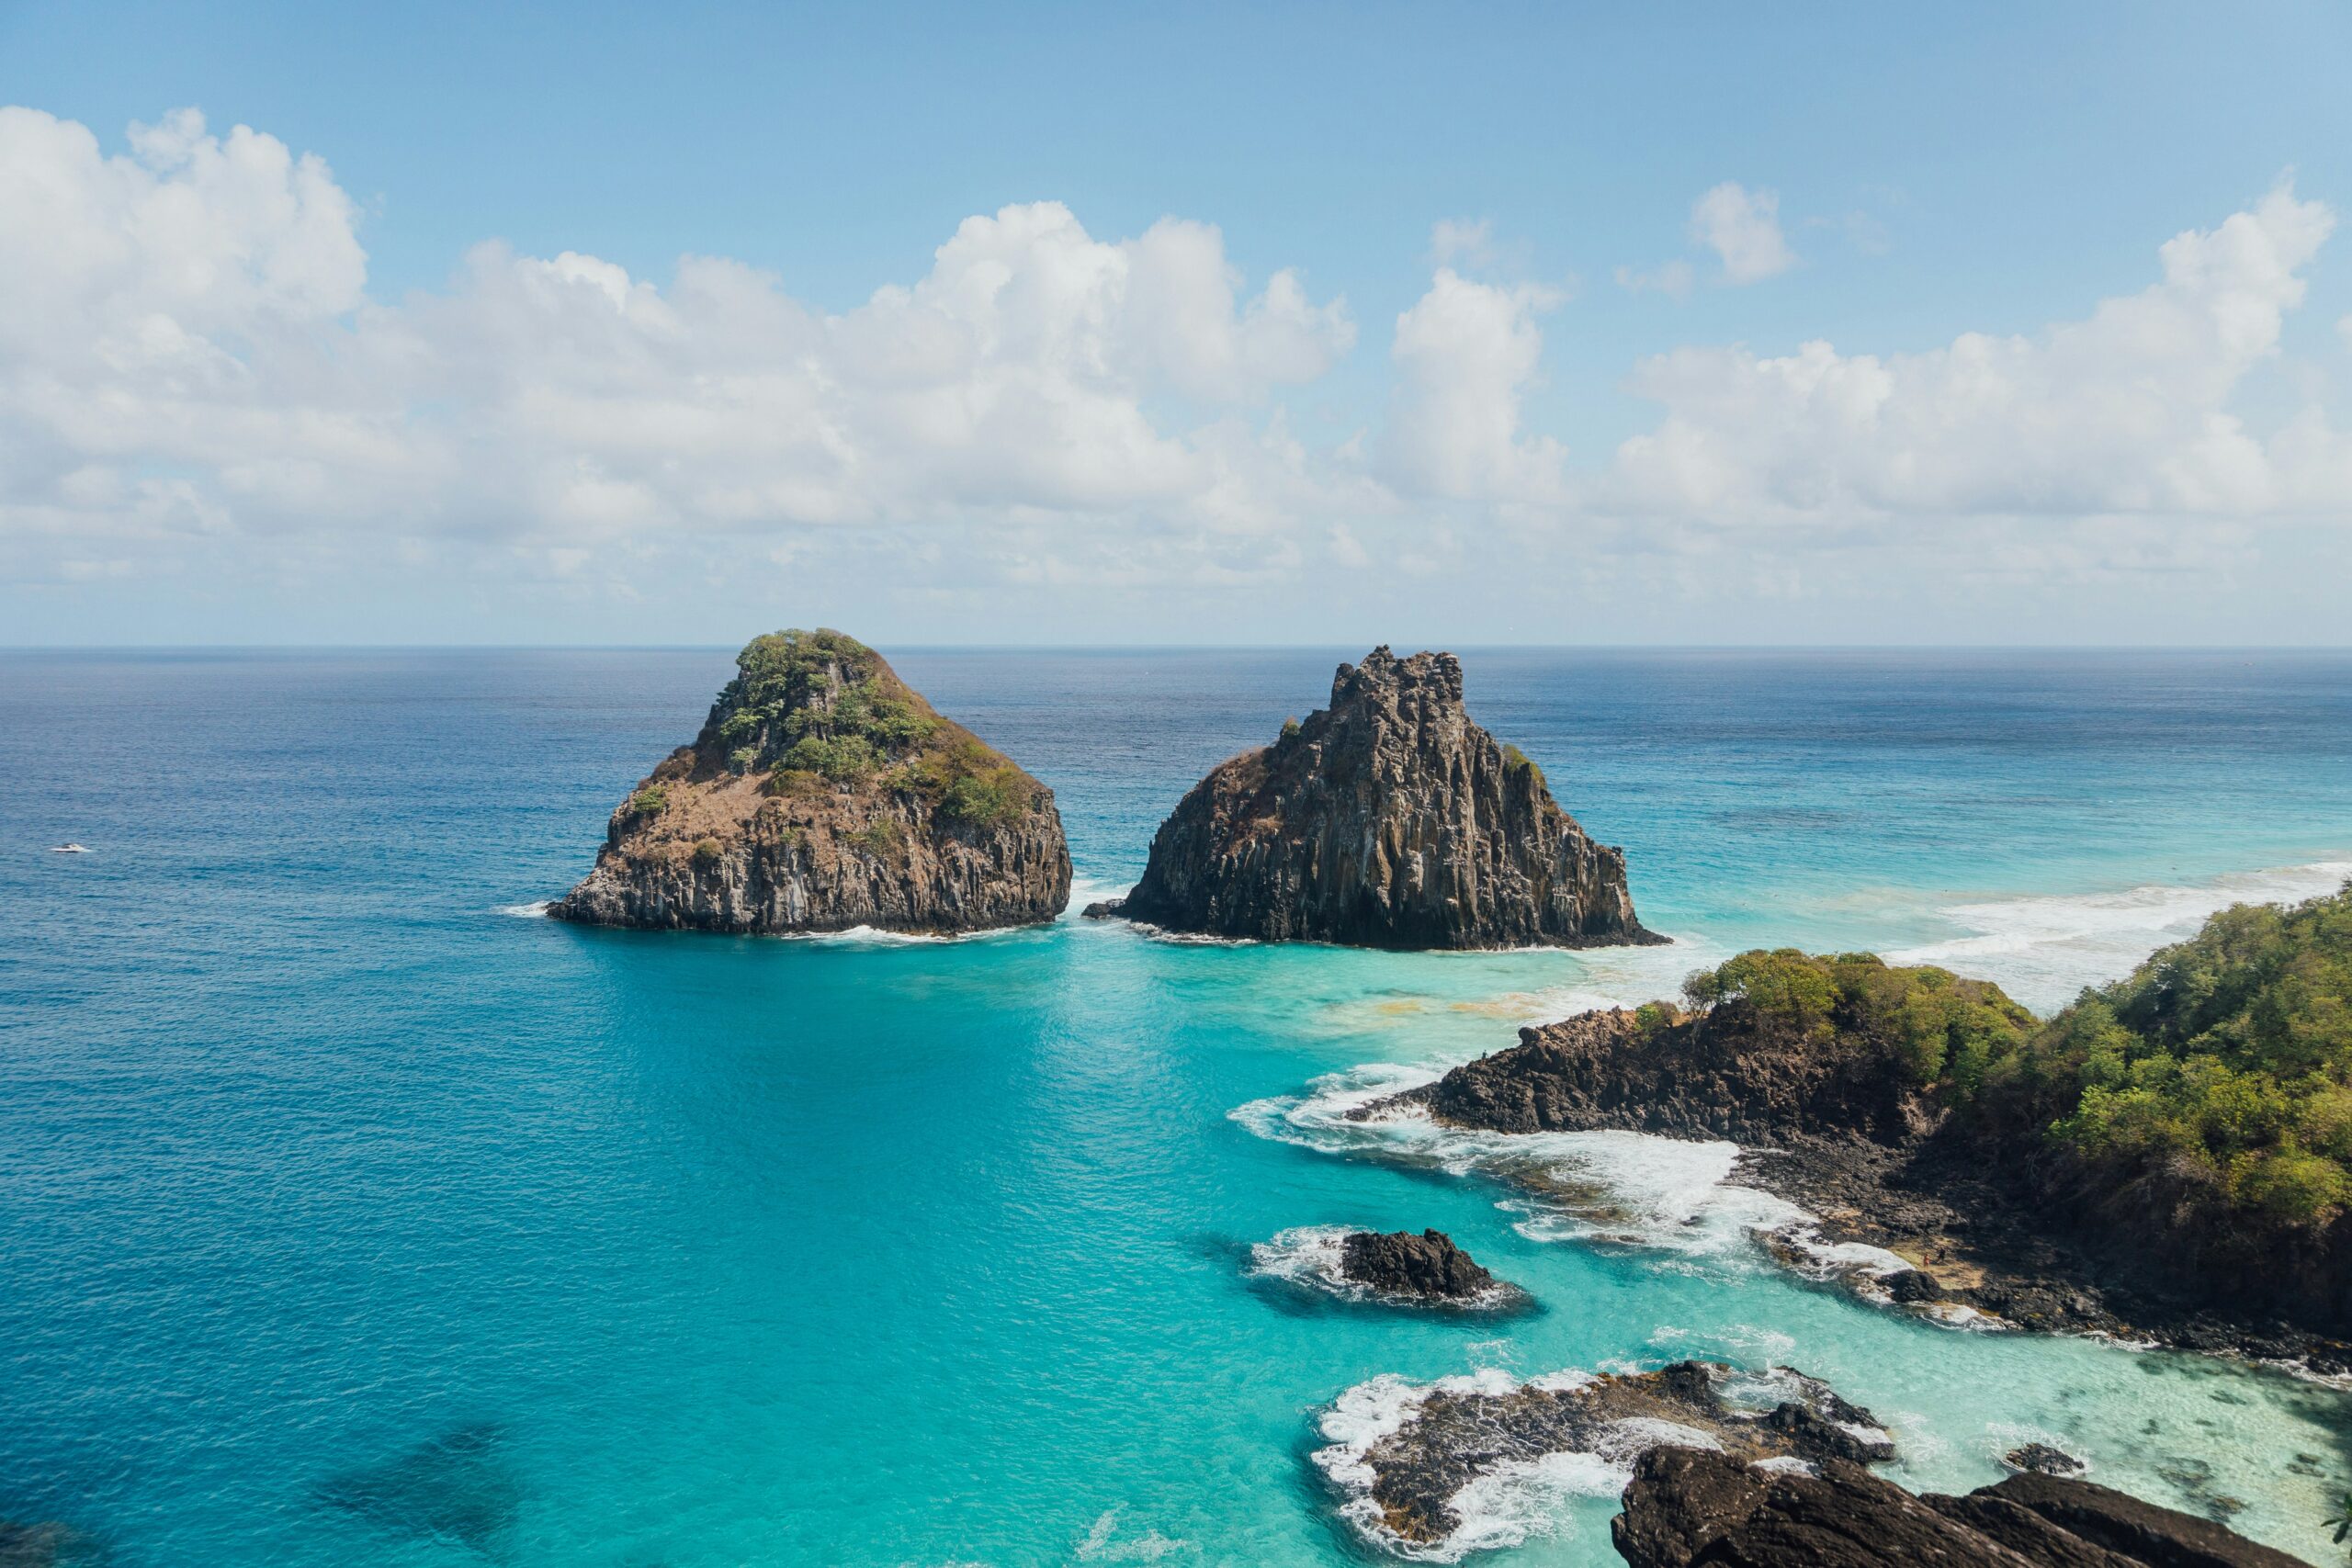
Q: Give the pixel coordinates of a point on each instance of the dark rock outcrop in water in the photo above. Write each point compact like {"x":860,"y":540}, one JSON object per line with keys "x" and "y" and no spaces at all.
{"x":1686,"y":1508}
{"x":1451,"y":1438}
{"x":1387,"y":820}
{"x":822,"y":794}
{"x":1427,"y":1266}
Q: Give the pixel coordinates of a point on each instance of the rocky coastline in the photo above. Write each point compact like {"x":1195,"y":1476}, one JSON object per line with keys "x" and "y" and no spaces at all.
{"x":1873,"y":1160}
{"x":1405,"y":1480}
{"x":1688,"y":1506}
{"x":1387,"y":820}
{"x":822,"y":795}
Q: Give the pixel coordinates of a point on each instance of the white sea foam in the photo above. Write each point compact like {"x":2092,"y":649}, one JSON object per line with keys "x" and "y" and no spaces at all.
{"x":1664,"y":1193}
{"x":1515,"y":1500}
{"x":1085,"y":890}
{"x":1308,"y":1256}
{"x":1673,"y":1196}
{"x":2045,"y":948}
{"x":1103,"y":1543}
{"x":528,"y":912}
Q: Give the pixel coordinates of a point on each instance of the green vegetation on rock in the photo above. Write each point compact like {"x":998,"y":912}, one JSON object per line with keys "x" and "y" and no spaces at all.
{"x":648,"y":801}
{"x":817,"y":710}
{"x":1942,"y":1030}
{"x":2224,"y":1062}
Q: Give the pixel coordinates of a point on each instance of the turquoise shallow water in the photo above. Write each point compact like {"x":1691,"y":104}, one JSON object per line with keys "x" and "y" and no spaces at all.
{"x":350,"y":1220}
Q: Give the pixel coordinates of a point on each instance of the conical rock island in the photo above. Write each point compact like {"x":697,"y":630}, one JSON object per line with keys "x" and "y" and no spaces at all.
{"x":823,"y":793}
{"x":1387,"y":820}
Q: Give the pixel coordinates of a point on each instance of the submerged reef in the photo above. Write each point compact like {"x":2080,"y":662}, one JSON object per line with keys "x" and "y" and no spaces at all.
{"x":824,"y":794}
{"x":1387,"y":820}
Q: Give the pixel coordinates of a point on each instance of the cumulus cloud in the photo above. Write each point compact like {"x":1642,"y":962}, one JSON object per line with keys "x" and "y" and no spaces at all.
{"x":1743,"y":228}
{"x":189,"y":348}
{"x":194,"y":377}
{"x":1465,"y":355}
{"x":2127,"y":410}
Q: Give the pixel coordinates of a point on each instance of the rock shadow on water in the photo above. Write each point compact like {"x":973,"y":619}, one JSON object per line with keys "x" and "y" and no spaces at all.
{"x":459,"y":1486}
{"x":49,"y":1543}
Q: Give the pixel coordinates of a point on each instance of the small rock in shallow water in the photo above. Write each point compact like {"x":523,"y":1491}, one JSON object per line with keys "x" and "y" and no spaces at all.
{"x":1427,"y":1266}
{"x":1913,"y":1286}
{"x":2043,"y":1460}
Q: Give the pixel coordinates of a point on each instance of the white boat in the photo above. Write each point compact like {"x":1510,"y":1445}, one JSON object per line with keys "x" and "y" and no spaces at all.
{"x":69,"y":849}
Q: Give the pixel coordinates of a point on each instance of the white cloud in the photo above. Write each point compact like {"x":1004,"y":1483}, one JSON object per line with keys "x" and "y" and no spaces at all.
{"x":195,"y":380}
{"x":185,"y":346}
{"x":1743,"y":227}
{"x":1465,"y":355}
{"x":2125,"y":411}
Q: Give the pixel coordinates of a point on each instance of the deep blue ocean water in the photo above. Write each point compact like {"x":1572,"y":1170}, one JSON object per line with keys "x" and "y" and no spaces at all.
{"x":350,"y":1218}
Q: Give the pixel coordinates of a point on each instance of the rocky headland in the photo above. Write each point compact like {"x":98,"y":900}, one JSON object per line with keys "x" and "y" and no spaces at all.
{"x":1689,"y":1506}
{"x":1409,"y":1477}
{"x":824,"y":794}
{"x":1387,"y":820}
{"x":2067,"y":1175}
{"x":1426,"y":1268}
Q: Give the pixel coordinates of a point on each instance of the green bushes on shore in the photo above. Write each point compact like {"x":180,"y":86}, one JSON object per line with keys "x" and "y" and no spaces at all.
{"x":2226,"y":1058}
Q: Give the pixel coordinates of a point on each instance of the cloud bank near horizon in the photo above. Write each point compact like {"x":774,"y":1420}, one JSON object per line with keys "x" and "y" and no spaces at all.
{"x":192,"y":371}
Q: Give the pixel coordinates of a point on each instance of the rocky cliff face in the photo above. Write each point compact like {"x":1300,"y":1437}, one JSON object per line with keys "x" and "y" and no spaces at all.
{"x":1387,"y":820}
{"x":1689,"y":1506}
{"x":822,"y":794}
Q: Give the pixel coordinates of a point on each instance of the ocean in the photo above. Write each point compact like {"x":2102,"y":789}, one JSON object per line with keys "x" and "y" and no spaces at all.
{"x":353,"y":1215}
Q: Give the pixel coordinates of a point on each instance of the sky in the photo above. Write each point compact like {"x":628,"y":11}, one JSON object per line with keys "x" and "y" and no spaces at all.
{"x":1711,"y":324}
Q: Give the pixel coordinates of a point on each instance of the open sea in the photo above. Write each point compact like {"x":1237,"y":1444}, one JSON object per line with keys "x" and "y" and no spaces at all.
{"x":353,"y":1215}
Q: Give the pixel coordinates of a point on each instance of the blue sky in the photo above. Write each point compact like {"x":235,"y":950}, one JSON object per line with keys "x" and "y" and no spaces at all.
{"x":429,"y":444}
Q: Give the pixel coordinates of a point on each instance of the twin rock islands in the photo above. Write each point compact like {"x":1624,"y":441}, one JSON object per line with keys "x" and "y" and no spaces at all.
{"x":1911,"y":1110}
{"x":824,"y":794}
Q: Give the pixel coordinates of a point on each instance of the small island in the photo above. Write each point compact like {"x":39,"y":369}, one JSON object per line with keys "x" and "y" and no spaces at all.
{"x":1387,"y":820}
{"x":823,"y":794}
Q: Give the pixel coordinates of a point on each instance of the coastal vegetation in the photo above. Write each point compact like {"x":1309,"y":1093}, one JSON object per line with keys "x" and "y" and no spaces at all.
{"x":2224,"y":1063}
{"x":818,"y":708}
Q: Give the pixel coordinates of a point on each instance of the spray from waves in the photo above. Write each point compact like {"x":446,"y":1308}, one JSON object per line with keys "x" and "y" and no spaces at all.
{"x":2044,"y":948}
{"x":1085,"y":890}
{"x":538,"y":911}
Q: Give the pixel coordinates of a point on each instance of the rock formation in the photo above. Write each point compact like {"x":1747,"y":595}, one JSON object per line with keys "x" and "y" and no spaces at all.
{"x":823,"y":794}
{"x":1426,"y":1267}
{"x":1387,"y":820}
{"x":1453,"y":1436}
{"x":1689,"y":1506}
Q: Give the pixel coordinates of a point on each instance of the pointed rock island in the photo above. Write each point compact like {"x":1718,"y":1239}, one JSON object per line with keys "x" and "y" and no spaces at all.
{"x":823,"y":794}
{"x":1387,"y":820}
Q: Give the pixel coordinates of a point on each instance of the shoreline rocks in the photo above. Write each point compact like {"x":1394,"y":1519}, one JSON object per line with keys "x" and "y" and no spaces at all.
{"x":824,"y":794}
{"x":1407,"y":1477}
{"x":1387,"y":820}
{"x":1687,"y":1506}
{"x":1824,"y":1122}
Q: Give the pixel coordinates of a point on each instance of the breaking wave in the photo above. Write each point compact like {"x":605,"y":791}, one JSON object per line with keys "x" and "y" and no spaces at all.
{"x":2045,"y":948}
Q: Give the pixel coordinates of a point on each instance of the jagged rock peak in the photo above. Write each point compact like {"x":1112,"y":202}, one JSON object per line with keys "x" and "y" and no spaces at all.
{"x":824,"y":793}
{"x":1387,"y":820}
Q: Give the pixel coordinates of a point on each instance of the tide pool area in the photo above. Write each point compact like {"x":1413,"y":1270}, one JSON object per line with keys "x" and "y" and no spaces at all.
{"x":356,"y":1214}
